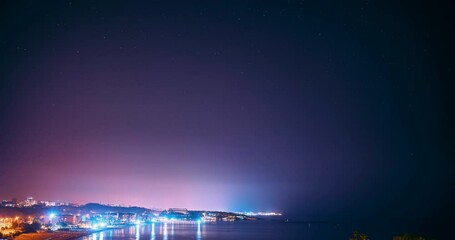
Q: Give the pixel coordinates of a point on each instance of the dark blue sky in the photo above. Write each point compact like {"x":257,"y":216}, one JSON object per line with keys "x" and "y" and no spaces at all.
{"x":326,"y":109}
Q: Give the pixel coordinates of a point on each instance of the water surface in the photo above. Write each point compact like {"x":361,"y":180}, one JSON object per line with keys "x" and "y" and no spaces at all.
{"x":223,"y":231}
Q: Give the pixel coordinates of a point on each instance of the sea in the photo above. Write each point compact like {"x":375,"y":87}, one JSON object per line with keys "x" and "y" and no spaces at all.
{"x":225,"y":231}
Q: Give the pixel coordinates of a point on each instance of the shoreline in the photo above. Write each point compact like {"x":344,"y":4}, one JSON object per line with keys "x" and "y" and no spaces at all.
{"x":57,"y":235}
{"x":64,"y":235}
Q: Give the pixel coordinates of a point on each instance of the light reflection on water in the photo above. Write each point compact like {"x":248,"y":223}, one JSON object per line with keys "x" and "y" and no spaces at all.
{"x":153,"y":231}
{"x":147,"y":231}
{"x":198,"y":233}
{"x":137,"y":231}
{"x":221,"y":231}
{"x":165,"y":231}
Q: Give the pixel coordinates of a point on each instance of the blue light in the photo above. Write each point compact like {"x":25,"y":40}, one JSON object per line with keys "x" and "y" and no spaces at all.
{"x":51,"y":216}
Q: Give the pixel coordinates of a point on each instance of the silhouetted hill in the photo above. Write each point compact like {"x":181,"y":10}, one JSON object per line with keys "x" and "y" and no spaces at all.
{"x":106,"y":208}
{"x":90,"y":207}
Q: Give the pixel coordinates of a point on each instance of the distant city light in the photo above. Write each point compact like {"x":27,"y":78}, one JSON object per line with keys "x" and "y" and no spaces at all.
{"x":97,"y":218}
{"x":260,"y":213}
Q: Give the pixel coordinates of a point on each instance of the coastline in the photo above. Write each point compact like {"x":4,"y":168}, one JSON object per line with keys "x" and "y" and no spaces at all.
{"x":64,"y":235}
{"x":58,"y":235}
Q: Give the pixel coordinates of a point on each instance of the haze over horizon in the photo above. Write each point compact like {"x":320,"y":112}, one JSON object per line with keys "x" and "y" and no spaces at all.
{"x":323,"y":110}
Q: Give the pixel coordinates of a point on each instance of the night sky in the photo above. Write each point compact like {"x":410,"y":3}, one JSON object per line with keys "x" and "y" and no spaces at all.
{"x":322,"y":110}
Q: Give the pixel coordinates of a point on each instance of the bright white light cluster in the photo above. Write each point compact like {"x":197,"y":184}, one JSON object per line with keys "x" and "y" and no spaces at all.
{"x":261,"y":213}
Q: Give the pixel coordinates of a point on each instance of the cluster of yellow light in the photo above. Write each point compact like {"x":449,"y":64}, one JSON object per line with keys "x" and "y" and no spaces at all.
{"x":9,"y":219}
{"x":6,"y":222}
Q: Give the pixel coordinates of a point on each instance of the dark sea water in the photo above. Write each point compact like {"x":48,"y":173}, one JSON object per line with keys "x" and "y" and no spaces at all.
{"x":224,"y":231}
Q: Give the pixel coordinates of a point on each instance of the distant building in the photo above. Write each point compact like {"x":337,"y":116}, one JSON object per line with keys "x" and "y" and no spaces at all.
{"x":29,"y":202}
{"x":127,"y":217}
{"x":175,"y":214}
{"x":6,"y":203}
{"x":178,"y":210}
{"x":69,"y":219}
{"x":209,"y":217}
